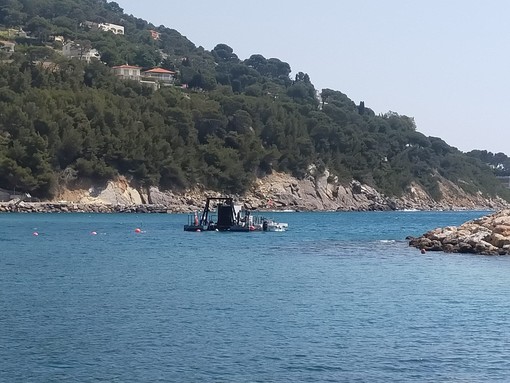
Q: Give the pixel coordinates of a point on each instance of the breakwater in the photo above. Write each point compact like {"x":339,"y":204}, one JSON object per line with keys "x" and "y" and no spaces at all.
{"x":489,"y":235}
{"x":47,"y":207}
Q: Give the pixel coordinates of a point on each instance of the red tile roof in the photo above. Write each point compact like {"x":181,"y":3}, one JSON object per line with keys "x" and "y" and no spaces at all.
{"x":159,"y":70}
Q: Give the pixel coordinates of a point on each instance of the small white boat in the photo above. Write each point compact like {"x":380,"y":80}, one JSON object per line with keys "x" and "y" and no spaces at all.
{"x":271,"y":225}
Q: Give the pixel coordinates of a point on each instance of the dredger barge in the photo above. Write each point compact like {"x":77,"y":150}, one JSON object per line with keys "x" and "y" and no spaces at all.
{"x":226,"y":216}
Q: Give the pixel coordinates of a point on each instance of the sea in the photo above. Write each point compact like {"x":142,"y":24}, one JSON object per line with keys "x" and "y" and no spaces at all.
{"x":339,"y":297}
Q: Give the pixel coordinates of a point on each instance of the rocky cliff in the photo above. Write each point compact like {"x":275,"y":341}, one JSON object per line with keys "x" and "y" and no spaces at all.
{"x":317,"y":192}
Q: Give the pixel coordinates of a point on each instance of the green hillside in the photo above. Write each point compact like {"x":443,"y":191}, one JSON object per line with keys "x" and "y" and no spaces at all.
{"x":224,"y":122}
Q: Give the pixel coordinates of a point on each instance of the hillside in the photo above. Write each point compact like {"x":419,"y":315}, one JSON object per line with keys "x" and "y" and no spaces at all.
{"x":216,"y":121}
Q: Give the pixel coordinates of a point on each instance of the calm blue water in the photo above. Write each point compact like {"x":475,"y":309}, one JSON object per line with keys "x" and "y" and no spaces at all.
{"x":339,"y":297}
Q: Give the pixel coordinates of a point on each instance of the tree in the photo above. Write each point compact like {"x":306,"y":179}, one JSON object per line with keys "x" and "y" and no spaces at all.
{"x":224,"y":53}
{"x":11,"y":14}
{"x":39,"y":27}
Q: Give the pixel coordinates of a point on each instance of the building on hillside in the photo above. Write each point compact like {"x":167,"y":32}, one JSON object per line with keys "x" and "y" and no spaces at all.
{"x":163,"y":76}
{"x":58,"y":39}
{"x":7,"y":47}
{"x":153,"y":78}
{"x":127,"y":72}
{"x":12,"y":32}
{"x":150,"y":84}
{"x":154,"y":34}
{"x":76,"y":50}
{"x":108,"y":27}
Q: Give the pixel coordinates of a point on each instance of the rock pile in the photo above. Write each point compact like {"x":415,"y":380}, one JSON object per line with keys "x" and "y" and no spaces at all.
{"x":489,"y":235}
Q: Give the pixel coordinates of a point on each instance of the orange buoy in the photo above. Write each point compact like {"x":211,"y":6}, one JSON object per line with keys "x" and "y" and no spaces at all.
{"x":138,"y":230}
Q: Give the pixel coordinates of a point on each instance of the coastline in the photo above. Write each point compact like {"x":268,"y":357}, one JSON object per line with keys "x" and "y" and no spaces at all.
{"x":278,"y":192}
{"x":69,"y":207}
{"x":73,"y":207}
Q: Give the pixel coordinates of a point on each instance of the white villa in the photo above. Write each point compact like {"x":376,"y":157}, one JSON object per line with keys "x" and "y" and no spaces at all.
{"x":108,"y":27}
{"x":7,"y":46}
{"x":72,"y":49}
{"x":127,"y":72}
{"x":154,"y":78}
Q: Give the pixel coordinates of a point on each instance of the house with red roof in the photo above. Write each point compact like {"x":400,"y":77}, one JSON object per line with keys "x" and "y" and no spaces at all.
{"x":163,"y":76}
{"x":153,"y":78}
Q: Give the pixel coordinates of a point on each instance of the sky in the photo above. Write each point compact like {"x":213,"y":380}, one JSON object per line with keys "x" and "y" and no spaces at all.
{"x":443,"y":62}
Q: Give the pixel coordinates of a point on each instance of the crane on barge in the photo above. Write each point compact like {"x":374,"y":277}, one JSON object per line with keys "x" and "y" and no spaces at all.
{"x":230,"y":217}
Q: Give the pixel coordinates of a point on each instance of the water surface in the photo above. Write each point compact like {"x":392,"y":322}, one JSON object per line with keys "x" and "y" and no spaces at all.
{"x":339,"y":297}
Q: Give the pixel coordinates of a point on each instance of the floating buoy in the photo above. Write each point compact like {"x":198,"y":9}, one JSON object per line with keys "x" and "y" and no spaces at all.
{"x":35,"y":233}
{"x":93,"y":233}
{"x":138,"y":230}
{"x":198,"y":230}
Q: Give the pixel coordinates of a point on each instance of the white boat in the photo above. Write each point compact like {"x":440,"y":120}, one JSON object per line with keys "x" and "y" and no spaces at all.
{"x":271,"y":225}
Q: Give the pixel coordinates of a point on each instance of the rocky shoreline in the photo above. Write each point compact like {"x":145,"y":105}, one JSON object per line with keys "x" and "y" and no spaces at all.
{"x":275,"y":192}
{"x":64,"y":207}
{"x":489,"y":235}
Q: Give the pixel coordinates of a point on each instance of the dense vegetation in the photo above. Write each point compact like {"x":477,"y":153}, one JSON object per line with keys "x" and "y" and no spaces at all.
{"x":236,"y":119}
{"x":498,"y":162}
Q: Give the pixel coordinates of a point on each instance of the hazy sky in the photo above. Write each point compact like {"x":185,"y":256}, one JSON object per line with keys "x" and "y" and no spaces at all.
{"x":443,"y":62}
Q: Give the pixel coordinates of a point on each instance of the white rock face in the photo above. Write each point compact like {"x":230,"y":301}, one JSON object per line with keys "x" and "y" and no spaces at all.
{"x":115,"y":192}
{"x":120,"y":193}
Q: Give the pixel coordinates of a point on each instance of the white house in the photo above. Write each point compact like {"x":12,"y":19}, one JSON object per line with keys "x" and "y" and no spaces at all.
{"x":127,"y":72}
{"x":91,"y":54}
{"x":108,"y":27}
{"x":7,"y":46}
{"x":72,"y":49}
